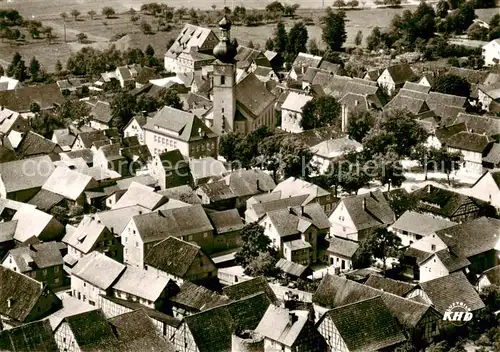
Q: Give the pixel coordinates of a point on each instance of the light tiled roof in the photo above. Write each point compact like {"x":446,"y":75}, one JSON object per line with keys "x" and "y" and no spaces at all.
{"x":421,"y":224}
{"x":369,"y":210}
{"x":295,"y":186}
{"x":98,"y":270}
{"x":33,"y":222}
{"x":86,"y":234}
{"x":250,"y":287}
{"x":141,"y":283}
{"x":291,"y":268}
{"x":69,"y":183}
{"x":190,"y":36}
{"x":296,"y":101}
{"x":335,"y":147}
{"x":343,"y":247}
{"x":226,"y":221}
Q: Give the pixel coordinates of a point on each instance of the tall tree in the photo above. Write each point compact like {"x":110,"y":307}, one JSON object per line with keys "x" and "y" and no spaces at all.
{"x":442,"y":8}
{"x":123,"y":107}
{"x":359,"y":38}
{"x":447,"y":161}
{"x":452,"y":84}
{"x":334,"y":33}
{"x":75,"y":13}
{"x":171,"y":98}
{"x":382,"y":244}
{"x":255,"y":242}
{"x":108,"y":11}
{"x":91,"y":14}
{"x":360,"y":123}
{"x":34,"y":69}
{"x":17,"y":68}
{"x":280,"y":38}
{"x":312,"y":46}
{"x":320,"y":112}
{"x":228,"y":146}
{"x":297,"y":39}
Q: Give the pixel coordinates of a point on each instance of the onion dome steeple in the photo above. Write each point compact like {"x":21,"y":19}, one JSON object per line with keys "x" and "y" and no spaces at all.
{"x":225,"y":51}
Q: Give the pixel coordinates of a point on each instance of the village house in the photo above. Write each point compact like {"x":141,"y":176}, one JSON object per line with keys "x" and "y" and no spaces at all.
{"x":94,"y":275}
{"x":91,"y":235}
{"x":258,"y":206}
{"x":144,"y":231}
{"x":128,"y":158}
{"x":42,"y":262}
{"x":135,"y":128}
{"x":64,"y":138}
{"x":420,"y":321}
{"x":296,"y":231}
{"x":366,"y":325}
{"x":339,"y":253}
{"x":489,"y":96}
{"x":145,"y":197}
{"x":446,"y":106}
{"x":291,"y":111}
{"x":125,"y":75}
{"x":491,"y":52}
{"x":182,"y":193}
{"x":20,"y":180}
{"x":180,"y":261}
{"x":46,"y":96}
{"x":12,"y":121}
{"x":9,"y":83}
{"x":192,"y":299}
{"x":457,"y":288}
{"x":242,"y":315}
{"x":234,"y":189}
{"x":202,"y":39}
{"x":487,"y":188}
{"x":24,"y":299}
{"x":33,"y":336}
{"x":176,"y":129}
{"x":413,"y":226}
{"x":327,"y":151}
{"x":400,"y":288}
{"x":491,"y":160}
{"x":170,"y":169}
{"x":488,"y":277}
{"x":294,"y":270}
{"x":394,"y":77}
{"x":93,"y":139}
{"x":32,"y":222}
{"x":448,"y":204}
{"x":289,"y":331}
{"x":302,"y":62}
{"x":473,"y":147}
{"x":100,"y":115}
{"x":294,"y":186}
{"x":205,"y":169}
{"x":32,"y":144}
{"x":356,"y":216}
{"x":227,"y":229}
{"x":437,"y":264}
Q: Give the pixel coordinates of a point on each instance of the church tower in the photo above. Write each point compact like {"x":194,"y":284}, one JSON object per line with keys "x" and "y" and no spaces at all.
{"x":224,"y":81}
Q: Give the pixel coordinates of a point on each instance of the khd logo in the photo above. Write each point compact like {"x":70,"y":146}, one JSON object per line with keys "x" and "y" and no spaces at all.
{"x":458,"y":314}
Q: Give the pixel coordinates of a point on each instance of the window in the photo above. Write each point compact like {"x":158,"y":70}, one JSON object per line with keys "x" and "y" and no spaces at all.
{"x":205,"y":234}
{"x":433,"y":247}
{"x":92,"y":303}
{"x":222,"y":80}
{"x":56,"y":280}
{"x":190,"y":238}
{"x":56,"y":269}
{"x":84,"y":284}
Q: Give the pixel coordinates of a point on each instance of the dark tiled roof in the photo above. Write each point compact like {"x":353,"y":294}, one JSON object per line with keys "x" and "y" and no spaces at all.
{"x":444,"y":133}
{"x":172,"y":256}
{"x":420,"y":256}
{"x":437,"y":100}
{"x":415,"y":106}
{"x":449,"y":289}
{"x":85,"y":154}
{"x":292,"y":268}
{"x":90,"y":328}
{"x":401,"y":73}
{"x":23,"y":292}
{"x":472,"y":237}
{"x":43,"y":255}
{"x":101,"y":112}
{"x":396,"y":287}
{"x":451,"y":261}
{"x":32,"y":337}
{"x":336,"y":291}
{"x":34,"y":144}
{"x":20,"y":100}
{"x":493,"y":275}
{"x":223,"y":321}
{"x":471,"y":76}
{"x":46,"y":200}
{"x":367,"y":325}
{"x":488,"y":125}
{"x":342,"y":247}
{"x":252,"y":95}
{"x":493,"y":156}
{"x":416,"y":87}
{"x":469,"y":141}
{"x":250,"y":287}
{"x":369,"y":210}
{"x":183,"y":193}
{"x":198,"y":298}
{"x":226,"y":221}
{"x":89,"y":138}
{"x":421,"y":224}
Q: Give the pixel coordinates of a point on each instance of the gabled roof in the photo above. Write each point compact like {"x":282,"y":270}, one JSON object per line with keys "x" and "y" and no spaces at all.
{"x":292,"y":268}
{"x":335,"y":291}
{"x":336,"y":147}
{"x":20,"y":100}
{"x":493,"y":155}
{"x":253,"y":95}
{"x":473,"y":142}
{"x":291,"y":220}
{"x":85,"y":236}
{"x":183,"y":193}
{"x":183,"y":125}
{"x":493,"y":275}
{"x":69,"y":183}
{"x":46,"y":200}
{"x":37,"y":256}
{"x":245,"y":183}
{"x":117,"y":219}
{"x":32,"y":337}
{"x":450,"y":260}
{"x":482,"y":124}
{"x":141,"y":283}
{"x":33,"y":222}
{"x":34,"y":144}
{"x":343,"y":247}
{"x":436,"y":100}
{"x":471,"y":76}
{"x":306,"y":60}
{"x":173,"y":256}
{"x":295,"y":186}
{"x":139,"y":194}
{"x":296,"y":101}
{"x":212,"y":329}
{"x":472,"y":237}
{"x":421,"y":224}
{"x":413,"y":105}
{"x":275,"y":203}
{"x":101,"y":112}
{"x":401,"y":73}
{"x":89,"y":138}
{"x":7,"y":230}
{"x":249,"y":288}
{"x":386,"y":284}
{"x":367,"y":325}
{"x":449,"y":289}
{"x":98,"y":270}
{"x":444,"y":133}
{"x":369,"y":210}
{"x":22,"y":291}
{"x":8,"y":118}
{"x":85,"y":154}
{"x":226,"y":221}
{"x":190,"y":36}
{"x":197,"y":298}
{"x":416,"y":87}
{"x":206,"y":167}
{"x":495,"y":175}
{"x":90,"y":329}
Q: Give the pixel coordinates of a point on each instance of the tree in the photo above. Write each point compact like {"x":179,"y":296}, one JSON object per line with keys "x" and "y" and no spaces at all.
{"x":60,"y":213}
{"x":312,"y":46}
{"x":58,"y":67}
{"x":334,"y":33}
{"x":452,"y":84}
{"x":381,"y":244}
{"x":442,"y":8}
{"x":388,"y":169}
{"x":108,"y":11}
{"x":75,"y":13}
{"x":2,"y":70}
{"x":146,"y":27}
{"x":295,"y":159}
{"x":123,"y":107}
{"x":359,"y":38}
{"x":280,"y":38}
{"x":275,"y":7}
{"x":447,"y":161}
{"x":263,"y":265}
{"x":465,"y":16}
{"x":17,"y":68}
{"x":34,"y":69}
{"x":72,"y":111}
{"x":402,"y":201}
{"x":320,"y":112}
{"x":297,"y":39}
{"x":135,"y":18}
{"x":64,"y":16}
{"x":47,"y":31}
{"x":339,"y":3}
{"x":92,"y":14}
{"x":81,"y":37}
{"x":374,"y":40}
{"x":150,"y":52}
{"x":171,"y":98}
{"x":291,"y":9}
{"x":250,"y":44}
{"x":255,"y":242}
{"x":478,"y":32}
{"x":228,"y":146}
{"x":269,"y":44}
{"x":360,"y":123}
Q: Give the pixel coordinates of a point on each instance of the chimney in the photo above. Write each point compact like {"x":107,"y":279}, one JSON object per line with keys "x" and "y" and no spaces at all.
{"x":364,"y":203}
{"x":9,"y":302}
{"x":292,"y":318}
{"x":258,"y":186}
{"x":301,"y":210}
{"x":429,"y":188}
{"x":32,"y":248}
